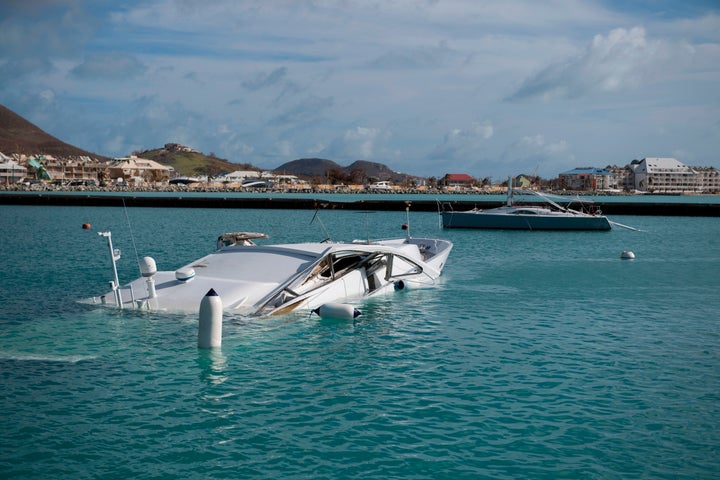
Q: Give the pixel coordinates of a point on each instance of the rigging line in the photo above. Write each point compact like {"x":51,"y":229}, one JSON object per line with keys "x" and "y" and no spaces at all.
{"x":322,"y":225}
{"x":132,"y":236}
{"x":625,"y":226}
{"x":367,"y":228}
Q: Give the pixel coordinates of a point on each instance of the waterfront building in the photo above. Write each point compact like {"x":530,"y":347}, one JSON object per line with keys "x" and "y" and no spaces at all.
{"x":137,"y":170}
{"x":10,"y":170}
{"x":621,"y":178}
{"x":651,"y":174}
{"x":65,"y":169}
{"x":289,"y":182}
{"x":238,"y":176}
{"x":664,"y":175}
{"x":588,"y":178}
{"x":708,"y":179}
{"x":458,"y":180}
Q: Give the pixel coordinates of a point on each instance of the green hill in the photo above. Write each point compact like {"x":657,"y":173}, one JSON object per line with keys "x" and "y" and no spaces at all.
{"x":191,"y":163}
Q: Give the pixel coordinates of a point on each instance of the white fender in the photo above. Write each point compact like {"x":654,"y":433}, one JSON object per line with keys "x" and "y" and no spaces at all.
{"x":210,"y":325}
{"x":341,"y":311}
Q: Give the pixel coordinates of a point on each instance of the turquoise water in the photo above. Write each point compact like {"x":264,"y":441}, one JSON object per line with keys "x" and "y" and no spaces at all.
{"x":538,"y":355}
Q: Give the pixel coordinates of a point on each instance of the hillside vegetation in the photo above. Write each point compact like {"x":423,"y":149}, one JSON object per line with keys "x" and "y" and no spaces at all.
{"x":192,"y":163}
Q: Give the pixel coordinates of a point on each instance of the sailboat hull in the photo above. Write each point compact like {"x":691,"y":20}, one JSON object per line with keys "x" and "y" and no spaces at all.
{"x":509,"y":218}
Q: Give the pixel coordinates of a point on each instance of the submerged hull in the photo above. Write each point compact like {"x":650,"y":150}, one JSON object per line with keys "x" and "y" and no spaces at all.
{"x":519,"y":221}
{"x":275,"y":279}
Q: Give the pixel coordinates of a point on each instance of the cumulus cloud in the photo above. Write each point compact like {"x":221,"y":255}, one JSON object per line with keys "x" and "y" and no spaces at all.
{"x":536,"y":144}
{"x":397,"y":82}
{"x":534,"y":154}
{"x":109,"y":66}
{"x":622,"y":59}
{"x":463,"y":144}
{"x":357,"y":143}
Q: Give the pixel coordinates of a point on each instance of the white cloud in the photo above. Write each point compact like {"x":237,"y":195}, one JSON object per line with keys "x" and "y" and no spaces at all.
{"x":705,"y":28}
{"x":536,"y":144}
{"x":409,"y":83}
{"x":622,"y":59}
{"x":464,"y":144}
{"x":535,"y":155}
{"x":359,"y":143}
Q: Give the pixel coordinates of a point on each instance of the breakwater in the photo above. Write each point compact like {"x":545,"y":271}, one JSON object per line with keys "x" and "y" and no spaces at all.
{"x":613,"y":206}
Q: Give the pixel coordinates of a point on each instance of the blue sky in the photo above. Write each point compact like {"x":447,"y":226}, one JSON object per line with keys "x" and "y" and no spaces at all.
{"x":488,"y":88}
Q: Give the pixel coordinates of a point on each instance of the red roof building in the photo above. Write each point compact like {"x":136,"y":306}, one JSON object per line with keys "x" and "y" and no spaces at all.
{"x":459,"y":179}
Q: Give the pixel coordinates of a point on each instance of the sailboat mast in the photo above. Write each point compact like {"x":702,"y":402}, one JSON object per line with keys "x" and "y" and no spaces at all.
{"x":510,"y":192}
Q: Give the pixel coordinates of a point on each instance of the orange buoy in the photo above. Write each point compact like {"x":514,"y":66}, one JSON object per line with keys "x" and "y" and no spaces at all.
{"x":86,"y":226}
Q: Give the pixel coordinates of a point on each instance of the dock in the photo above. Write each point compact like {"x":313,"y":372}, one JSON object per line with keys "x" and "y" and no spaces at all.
{"x":355,"y":202}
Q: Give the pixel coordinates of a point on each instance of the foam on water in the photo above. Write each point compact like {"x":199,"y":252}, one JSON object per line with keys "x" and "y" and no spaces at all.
{"x":30,"y":357}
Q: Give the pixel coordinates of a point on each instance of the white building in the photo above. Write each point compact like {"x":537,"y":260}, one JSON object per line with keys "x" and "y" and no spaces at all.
{"x":708,"y":179}
{"x":138,"y":170}
{"x":238,"y":176}
{"x":653,"y":175}
{"x":10,"y":170}
{"x":664,"y":175}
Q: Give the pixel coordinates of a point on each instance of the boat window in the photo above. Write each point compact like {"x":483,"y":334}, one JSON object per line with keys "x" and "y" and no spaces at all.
{"x":400,"y":266}
{"x":341,"y":262}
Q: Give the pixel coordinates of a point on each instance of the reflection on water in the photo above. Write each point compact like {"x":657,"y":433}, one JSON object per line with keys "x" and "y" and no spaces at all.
{"x":213,"y":365}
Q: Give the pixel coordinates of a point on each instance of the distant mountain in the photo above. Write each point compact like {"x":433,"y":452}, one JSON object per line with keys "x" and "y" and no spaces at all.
{"x":17,"y":135}
{"x":377,"y":171}
{"x":308,"y":167}
{"x":357,"y":172}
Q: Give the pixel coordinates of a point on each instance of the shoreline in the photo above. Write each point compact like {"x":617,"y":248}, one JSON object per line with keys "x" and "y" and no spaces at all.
{"x":105,"y":198}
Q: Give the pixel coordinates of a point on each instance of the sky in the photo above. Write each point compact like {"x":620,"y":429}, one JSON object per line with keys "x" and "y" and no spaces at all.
{"x":427,"y":87}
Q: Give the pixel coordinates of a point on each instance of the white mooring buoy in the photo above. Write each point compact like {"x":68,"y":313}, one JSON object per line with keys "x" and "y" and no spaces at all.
{"x":341,"y":311}
{"x":210,"y":325}
{"x":627,"y":255}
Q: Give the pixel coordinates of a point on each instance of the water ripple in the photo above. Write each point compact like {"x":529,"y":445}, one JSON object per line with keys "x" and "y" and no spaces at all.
{"x":538,"y":356}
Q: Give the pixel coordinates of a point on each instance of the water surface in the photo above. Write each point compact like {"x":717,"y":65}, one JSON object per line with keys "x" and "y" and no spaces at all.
{"x":537,"y":355}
